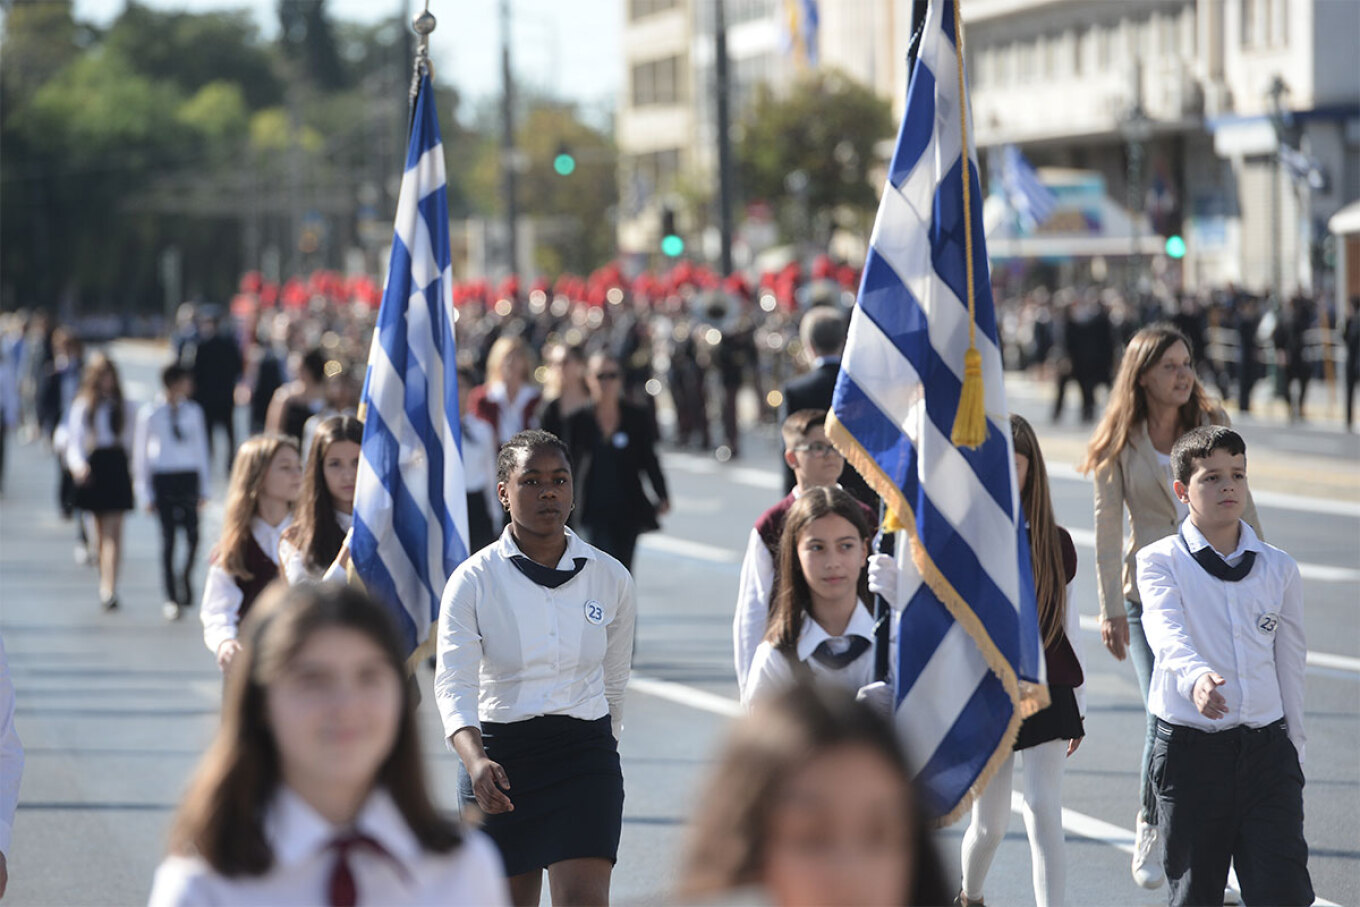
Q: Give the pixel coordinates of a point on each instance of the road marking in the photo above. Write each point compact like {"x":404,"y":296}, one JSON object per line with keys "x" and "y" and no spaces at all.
{"x":1322,"y":573}
{"x":1077,"y":823}
{"x":1278,"y":499}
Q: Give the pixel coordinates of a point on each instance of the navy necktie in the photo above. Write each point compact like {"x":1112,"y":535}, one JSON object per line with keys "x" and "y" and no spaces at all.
{"x":546,"y":576}
{"x":836,"y":660}
{"x":1215,"y":566}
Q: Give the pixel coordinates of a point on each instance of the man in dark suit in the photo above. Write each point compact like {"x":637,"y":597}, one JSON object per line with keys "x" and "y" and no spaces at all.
{"x":822,"y":332}
{"x":217,"y":366}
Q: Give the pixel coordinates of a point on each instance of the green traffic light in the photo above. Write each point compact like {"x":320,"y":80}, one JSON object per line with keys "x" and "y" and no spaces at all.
{"x":564,"y":164}
{"x":1175,"y":246}
{"x":672,"y":245}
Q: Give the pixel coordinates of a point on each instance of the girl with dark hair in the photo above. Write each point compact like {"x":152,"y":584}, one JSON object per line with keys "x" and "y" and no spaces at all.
{"x":100,"y":436}
{"x":1156,"y":398}
{"x":325,"y":508}
{"x":314,"y":790}
{"x":266,"y":478}
{"x":1048,"y":737}
{"x":811,"y":803}
{"x":819,"y":627}
{"x":535,"y":649}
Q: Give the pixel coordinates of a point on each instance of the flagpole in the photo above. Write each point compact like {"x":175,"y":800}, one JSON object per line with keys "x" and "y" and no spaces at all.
{"x":422,"y":24}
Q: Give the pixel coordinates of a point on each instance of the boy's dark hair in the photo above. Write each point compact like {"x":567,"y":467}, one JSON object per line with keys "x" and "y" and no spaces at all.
{"x":797,"y":425}
{"x":172,"y":374}
{"x":1200,"y":443}
{"x":524,"y":445}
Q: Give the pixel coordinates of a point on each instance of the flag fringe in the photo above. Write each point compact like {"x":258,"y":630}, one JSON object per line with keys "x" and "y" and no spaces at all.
{"x":1026,"y":698}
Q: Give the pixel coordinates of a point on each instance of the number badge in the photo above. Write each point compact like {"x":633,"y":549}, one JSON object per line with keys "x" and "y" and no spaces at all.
{"x":594,"y":612}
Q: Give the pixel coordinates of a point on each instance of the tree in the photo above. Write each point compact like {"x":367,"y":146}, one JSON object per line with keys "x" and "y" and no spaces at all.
{"x":306,"y":36}
{"x":825,"y":129}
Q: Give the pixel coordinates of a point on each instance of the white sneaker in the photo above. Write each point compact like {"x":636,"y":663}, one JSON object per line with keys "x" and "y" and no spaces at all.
{"x":1147,"y":857}
{"x":171,"y":611}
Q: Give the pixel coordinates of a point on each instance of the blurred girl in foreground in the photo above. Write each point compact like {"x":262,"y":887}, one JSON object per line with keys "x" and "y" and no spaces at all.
{"x":811,"y":803}
{"x":314,"y":790}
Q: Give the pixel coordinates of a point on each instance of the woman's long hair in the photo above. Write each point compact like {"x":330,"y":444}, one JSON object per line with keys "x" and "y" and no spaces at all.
{"x":243,"y":491}
{"x":793,"y":600}
{"x":1128,"y":406}
{"x":1045,"y":546}
{"x":314,"y":531}
{"x":99,"y":366}
{"x":728,"y":836}
{"x":222,"y":816}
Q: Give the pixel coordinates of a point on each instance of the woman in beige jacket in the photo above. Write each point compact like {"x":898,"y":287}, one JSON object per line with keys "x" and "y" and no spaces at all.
{"x":1156,"y":398}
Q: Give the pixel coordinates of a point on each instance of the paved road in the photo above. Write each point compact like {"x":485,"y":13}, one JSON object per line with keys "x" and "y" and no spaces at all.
{"x":115,"y":709}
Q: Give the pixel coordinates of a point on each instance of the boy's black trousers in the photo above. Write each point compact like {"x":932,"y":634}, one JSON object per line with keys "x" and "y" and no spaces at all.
{"x":177,"y":495}
{"x":1232,"y":796}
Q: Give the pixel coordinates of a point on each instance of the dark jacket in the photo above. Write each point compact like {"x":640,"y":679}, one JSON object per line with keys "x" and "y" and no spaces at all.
{"x":635,"y":449}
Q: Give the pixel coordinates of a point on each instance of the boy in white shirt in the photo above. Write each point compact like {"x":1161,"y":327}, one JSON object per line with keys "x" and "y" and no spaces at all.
{"x":1223,"y":613}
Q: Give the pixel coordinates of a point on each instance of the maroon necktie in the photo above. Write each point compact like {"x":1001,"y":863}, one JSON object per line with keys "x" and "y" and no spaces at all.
{"x":342,"y":890}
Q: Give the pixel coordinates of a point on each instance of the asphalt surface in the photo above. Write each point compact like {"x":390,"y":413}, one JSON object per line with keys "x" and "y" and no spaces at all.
{"x":115,"y":709}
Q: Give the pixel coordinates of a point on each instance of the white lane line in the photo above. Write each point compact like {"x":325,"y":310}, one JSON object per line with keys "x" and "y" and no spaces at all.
{"x":1315,"y":659}
{"x":702,"y":700}
{"x":1278,"y":499}
{"x":1074,"y":822}
{"x":1322,"y":573}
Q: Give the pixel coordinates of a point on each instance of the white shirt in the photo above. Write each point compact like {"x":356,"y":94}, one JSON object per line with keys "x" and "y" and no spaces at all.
{"x":510,"y":649}
{"x":471,"y":874}
{"x":292,"y":563}
{"x":479,"y":456}
{"x":1250,"y":632}
{"x":511,"y":420}
{"x":83,"y":438}
{"x":221,"y":607}
{"x":753,"y":606}
{"x":772,"y":672}
{"x":11,"y":754}
{"x":155,"y":449}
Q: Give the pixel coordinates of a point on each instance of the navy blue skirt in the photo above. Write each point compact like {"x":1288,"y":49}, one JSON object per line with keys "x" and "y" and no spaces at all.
{"x":1060,"y":721}
{"x":567,"y":787}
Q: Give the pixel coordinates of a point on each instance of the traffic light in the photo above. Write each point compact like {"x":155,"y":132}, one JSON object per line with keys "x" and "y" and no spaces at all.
{"x":564,"y":162}
{"x":671,"y":242}
{"x":1175,"y":246}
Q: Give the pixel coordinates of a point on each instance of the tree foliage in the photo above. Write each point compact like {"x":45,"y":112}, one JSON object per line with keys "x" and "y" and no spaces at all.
{"x":825,"y":128}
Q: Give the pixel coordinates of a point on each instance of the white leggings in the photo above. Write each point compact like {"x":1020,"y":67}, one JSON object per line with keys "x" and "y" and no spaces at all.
{"x":1042,"y":788}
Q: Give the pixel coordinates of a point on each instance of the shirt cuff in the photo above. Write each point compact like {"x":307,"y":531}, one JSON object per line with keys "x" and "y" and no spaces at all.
{"x":1186,"y":685}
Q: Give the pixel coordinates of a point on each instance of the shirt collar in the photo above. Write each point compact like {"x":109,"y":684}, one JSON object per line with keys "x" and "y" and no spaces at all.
{"x":576,"y":547}
{"x":346,"y":520}
{"x":296,"y":831}
{"x":813,"y":635}
{"x":1247,"y":541}
{"x":268,"y":536}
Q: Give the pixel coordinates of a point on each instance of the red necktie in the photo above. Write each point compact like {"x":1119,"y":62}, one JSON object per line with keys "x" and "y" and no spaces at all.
{"x":342,"y":890}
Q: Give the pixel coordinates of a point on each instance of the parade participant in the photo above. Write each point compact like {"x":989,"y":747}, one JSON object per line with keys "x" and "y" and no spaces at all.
{"x":265,"y":481}
{"x":11,"y":766}
{"x":1048,"y":737}
{"x":170,"y":470}
{"x":811,"y":803}
{"x":1223,"y":613}
{"x":298,"y":400}
{"x":217,"y":366}
{"x":565,"y":391}
{"x":612,"y":448}
{"x":1156,"y":398}
{"x":314,"y":791}
{"x":815,"y":463}
{"x":819,"y":627}
{"x":55,"y":394}
{"x":99,"y":431}
{"x":342,"y":399}
{"x":479,"y":469}
{"x":535,"y":647}
{"x":508,"y":401}
{"x":325,"y":508}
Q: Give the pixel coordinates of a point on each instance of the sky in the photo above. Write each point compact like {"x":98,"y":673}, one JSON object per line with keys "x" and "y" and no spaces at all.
{"x":566,"y":48}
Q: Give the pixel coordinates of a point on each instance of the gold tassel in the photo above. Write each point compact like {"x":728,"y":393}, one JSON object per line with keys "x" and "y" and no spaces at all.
{"x":970,"y":422}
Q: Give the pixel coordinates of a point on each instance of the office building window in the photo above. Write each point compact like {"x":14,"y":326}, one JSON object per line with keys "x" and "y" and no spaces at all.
{"x":641,"y":9}
{"x":657,"y":82}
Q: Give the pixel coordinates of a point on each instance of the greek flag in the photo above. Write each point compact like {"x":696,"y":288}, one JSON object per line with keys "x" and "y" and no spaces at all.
{"x":968,"y":659}
{"x":410,"y":506}
{"x":1029,"y":198}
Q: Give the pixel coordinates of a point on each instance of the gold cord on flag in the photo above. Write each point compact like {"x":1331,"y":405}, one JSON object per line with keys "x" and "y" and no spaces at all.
{"x":970,"y":422}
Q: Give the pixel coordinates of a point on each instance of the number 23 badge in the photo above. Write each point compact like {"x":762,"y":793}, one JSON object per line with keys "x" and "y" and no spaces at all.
{"x":595,"y":612}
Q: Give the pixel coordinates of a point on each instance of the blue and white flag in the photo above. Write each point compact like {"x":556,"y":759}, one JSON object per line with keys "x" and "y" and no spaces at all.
{"x":969,"y":663}
{"x":802,"y":23}
{"x":1029,"y":198}
{"x":410,"y":503}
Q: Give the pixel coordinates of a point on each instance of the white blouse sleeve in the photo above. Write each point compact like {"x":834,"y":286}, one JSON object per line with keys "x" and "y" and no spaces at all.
{"x":770,"y":673}
{"x":77,"y":436}
{"x":180,"y":882}
{"x":459,"y":655}
{"x":292,"y":564}
{"x":618,"y":653}
{"x":220,"y":609}
{"x":141,"y":468}
{"x":753,"y":605}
